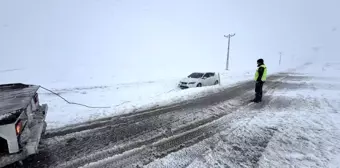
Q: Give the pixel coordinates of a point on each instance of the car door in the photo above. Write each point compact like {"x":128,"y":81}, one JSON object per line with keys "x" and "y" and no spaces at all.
{"x":212,"y":78}
{"x":205,"y":79}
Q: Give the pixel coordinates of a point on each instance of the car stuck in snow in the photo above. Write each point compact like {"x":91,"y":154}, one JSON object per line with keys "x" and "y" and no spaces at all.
{"x":22,"y":122}
{"x":199,"y":79}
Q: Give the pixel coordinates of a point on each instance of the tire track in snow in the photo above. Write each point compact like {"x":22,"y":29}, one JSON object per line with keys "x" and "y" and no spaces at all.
{"x":245,"y":146}
{"x":176,"y":142}
{"x":245,"y":143}
{"x":227,"y":94}
{"x":129,"y":125}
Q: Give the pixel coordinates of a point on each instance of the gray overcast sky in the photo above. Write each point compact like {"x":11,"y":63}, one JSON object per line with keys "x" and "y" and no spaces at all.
{"x":128,"y":36}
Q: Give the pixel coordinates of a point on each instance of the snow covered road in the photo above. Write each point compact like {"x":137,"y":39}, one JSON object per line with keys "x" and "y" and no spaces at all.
{"x":296,"y":125}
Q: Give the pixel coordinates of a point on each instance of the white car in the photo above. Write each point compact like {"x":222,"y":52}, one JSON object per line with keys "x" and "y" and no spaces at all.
{"x":198,"y":79}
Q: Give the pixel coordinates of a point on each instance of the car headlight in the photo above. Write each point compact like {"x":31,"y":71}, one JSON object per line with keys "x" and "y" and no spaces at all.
{"x":192,"y":83}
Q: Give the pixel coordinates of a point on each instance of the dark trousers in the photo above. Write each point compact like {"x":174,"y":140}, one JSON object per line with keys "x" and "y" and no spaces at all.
{"x":258,"y":91}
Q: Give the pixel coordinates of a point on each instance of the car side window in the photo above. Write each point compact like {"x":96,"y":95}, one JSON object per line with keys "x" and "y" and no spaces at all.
{"x":207,"y":75}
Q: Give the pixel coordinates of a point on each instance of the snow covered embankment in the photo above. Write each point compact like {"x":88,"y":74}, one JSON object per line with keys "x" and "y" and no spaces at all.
{"x":124,"y":98}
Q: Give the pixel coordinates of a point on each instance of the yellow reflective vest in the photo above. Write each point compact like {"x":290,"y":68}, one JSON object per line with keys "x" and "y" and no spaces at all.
{"x":264,"y":76}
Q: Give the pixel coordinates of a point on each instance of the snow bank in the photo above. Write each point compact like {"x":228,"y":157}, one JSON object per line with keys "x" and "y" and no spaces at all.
{"x":123,"y":98}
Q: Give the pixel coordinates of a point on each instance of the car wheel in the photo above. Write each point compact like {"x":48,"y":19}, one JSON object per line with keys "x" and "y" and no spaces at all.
{"x":199,"y":85}
{"x":216,"y":82}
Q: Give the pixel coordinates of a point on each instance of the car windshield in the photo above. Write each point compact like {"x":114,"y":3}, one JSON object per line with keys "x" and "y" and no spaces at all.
{"x":196,"y":75}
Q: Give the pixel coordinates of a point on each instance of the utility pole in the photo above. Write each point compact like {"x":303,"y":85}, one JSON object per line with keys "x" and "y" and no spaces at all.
{"x":228,"y":36}
{"x":280,"y":58}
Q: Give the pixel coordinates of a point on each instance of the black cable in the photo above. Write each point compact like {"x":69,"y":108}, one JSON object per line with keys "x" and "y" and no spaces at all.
{"x":69,"y":101}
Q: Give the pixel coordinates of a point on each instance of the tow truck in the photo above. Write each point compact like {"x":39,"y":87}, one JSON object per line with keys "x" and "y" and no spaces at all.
{"x":22,"y":122}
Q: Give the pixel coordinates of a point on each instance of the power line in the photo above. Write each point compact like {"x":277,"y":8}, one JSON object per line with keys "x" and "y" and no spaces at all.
{"x":79,"y":104}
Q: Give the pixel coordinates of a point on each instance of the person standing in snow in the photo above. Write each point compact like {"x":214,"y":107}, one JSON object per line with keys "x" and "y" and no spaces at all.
{"x":260,"y":78}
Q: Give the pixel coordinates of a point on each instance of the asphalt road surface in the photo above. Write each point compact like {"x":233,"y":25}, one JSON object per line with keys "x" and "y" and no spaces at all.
{"x":137,"y":139}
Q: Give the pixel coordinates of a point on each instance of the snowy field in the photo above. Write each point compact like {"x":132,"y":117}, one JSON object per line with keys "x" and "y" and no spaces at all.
{"x":120,"y":98}
{"x":116,"y":96}
{"x":298,"y":127}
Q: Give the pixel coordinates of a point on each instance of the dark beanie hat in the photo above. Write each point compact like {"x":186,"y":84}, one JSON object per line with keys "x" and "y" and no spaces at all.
{"x":260,"y":61}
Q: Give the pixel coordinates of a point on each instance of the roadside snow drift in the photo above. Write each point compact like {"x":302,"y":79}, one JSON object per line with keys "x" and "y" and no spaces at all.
{"x":123,"y":98}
